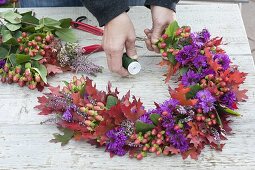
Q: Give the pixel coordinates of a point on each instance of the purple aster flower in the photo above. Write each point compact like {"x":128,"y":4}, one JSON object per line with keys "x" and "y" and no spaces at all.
{"x":169,"y":105}
{"x":205,"y":72}
{"x":145,"y":118}
{"x":186,"y":54}
{"x":205,"y":100}
{"x":229,"y":99}
{"x":195,"y":40}
{"x":204,"y":35}
{"x":67,"y":116}
{"x":2,"y":63}
{"x":168,"y":122}
{"x":200,"y":61}
{"x":190,"y":78}
{"x":200,"y":38}
{"x":223,"y":60}
{"x":117,"y":141}
{"x":179,"y":141}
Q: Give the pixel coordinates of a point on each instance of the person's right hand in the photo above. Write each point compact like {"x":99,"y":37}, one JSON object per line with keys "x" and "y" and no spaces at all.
{"x":119,"y":33}
{"x":161,"y":18}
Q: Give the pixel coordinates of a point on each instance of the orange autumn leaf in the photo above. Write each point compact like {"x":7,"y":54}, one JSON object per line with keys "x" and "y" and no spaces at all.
{"x":180,"y":95}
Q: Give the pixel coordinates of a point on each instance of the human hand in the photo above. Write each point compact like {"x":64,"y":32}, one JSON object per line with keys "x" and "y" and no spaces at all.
{"x":119,"y":33}
{"x":161,"y":18}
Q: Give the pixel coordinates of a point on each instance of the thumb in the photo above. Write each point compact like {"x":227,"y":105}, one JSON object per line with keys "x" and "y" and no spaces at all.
{"x":156,"y":34}
{"x":130,"y":48}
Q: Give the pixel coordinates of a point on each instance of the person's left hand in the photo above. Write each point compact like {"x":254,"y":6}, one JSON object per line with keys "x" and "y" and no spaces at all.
{"x":161,"y":18}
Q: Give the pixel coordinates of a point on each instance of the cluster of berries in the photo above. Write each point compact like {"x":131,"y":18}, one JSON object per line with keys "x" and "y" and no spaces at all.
{"x":165,"y":49}
{"x":22,"y":76}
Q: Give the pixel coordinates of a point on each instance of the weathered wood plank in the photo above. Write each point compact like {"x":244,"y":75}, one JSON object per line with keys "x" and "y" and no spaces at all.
{"x":28,"y":148}
{"x":24,"y":143}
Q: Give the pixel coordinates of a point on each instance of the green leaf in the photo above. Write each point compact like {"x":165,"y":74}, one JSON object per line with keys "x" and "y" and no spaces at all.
{"x":184,"y":70}
{"x":171,"y":29}
{"x":231,"y":112}
{"x":65,"y":23}
{"x":6,"y":35}
{"x":49,"y":22}
{"x":154,"y":118}
{"x":143,"y":127}
{"x":111,"y":101}
{"x":226,"y":110}
{"x":193,"y":91}
{"x":12,"y":17}
{"x":42,"y":71}
{"x":8,"y":38}
{"x":29,"y":19}
{"x":3,"y":53}
{"x":13,"y":27}
{"x":38,"y":27}
{"x":29,"y":28}
{"x":65,"y":138}
{"x":37,"y":57}
{"x":27,"y":13}
{"x":218,"y":119}
{"x":171,"y":58}
{"x":17,"y":34}
{"x":66,"y":34}
{"x":22,"y":58}
{"x":12,"y":59}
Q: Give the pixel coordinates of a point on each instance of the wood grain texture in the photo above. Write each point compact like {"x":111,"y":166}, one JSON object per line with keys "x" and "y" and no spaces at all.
{"x":24,"y":142}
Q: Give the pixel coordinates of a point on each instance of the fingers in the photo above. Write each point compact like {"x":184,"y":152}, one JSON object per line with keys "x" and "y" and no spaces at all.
{"x":114,"y":60}
{"x":148,"y":40}
{"x":116,"y":63}
{"x":155,"y":36}
{"x":130,"y":48}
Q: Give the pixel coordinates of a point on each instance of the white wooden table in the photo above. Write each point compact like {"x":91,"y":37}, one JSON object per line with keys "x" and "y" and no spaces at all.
{"x":24,"y":142}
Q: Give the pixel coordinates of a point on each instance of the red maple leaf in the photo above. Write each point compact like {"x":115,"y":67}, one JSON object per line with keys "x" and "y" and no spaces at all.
{"x":217,"y":41}
{"x":196,"y":140}
{"x":217,"y":147}
{"x":116,"y":113}
{"x":73,"y":126}
{"x":77,"y":100}
{"x":55,"y":90}
{"x":240,"y":94}
{"x":180,"y":95}
{"x":134,"y":110}
{"x":106,"y":125}
{"x":194,"y":128}
{"x":115,"y":93}
{"x":193,"y":153}
{"x":172,"y":150}
{"x":43,"y":106}
{"x":91,"y":91}
{"x":237,"y":77}
{"x":53,"y":69}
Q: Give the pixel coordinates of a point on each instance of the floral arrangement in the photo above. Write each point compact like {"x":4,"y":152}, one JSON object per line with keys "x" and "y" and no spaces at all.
{"x":31,"y":49}
{"x":196,"y":115}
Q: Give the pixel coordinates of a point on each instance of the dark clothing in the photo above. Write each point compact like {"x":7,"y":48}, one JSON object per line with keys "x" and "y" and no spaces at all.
{"x":106,"y":10}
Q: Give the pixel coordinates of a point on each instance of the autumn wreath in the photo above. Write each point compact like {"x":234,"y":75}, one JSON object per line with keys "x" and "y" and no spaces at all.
{"x":196,"y":114}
